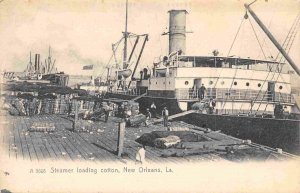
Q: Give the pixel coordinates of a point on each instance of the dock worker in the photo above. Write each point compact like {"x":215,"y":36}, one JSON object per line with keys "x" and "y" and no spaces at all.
{"x":212,"y":104}
{"x":121,"y":109}
{"x":148,"y":117}
{"x":153,"y":109}
{"x":278,"y":111}
{"x":69,"y":103}
{"x":165,"y":115}
{"x":107,"y":110}
{"x":32,"y":106}
{"x":140,"y":155}
{"x":202,"y":90}
{"x":26,"y":106}
{"x":127,"y":112}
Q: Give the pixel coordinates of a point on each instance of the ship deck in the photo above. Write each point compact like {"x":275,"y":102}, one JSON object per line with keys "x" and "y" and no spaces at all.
{"x":99,"y":143}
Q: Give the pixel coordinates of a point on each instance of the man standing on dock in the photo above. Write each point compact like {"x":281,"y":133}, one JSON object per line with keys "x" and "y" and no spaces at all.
{"x":165,"y":115}
{"x":153,"y":109}
{"x":148,"y":117}
{"x":107,"y":110}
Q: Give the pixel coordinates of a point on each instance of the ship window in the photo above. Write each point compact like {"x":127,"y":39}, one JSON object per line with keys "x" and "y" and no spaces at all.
{"x":222,"y":82}
{"x":235,"y":83}
{"x":186,"y":82}
{"x":211,"y":82}
{"x":247,"y":84}
{"x":156,"y":82}
{"x":280,"y":87}
{"x":169,"y":82}
{"x":259,"y":85}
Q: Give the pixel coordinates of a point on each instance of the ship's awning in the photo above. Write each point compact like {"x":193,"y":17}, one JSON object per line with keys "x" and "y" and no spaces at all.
{"x":230,"y":60}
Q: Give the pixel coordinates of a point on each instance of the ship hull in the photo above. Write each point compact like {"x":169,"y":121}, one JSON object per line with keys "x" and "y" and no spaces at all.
{"x":276,"y":133}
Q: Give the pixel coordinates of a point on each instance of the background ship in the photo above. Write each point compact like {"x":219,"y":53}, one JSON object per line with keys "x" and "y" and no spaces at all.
{"x":39,"y":72}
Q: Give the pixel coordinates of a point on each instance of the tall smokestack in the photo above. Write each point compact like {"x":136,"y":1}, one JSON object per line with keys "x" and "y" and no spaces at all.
{"x":36,"y":63}
{"x":177,"y":30}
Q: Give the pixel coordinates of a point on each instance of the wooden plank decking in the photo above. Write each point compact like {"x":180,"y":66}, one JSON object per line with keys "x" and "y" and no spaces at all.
{"x":99,"y":144}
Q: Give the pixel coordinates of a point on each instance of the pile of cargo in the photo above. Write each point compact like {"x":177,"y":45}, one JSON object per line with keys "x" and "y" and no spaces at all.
{"x":28,"y":99}
{"x":201,"y":106}
{"x":166,"y":142}
{"x":42,"y":127}
{"x":166,"y":139}
{"x":29,"y":106}
{"x":136,"y":120}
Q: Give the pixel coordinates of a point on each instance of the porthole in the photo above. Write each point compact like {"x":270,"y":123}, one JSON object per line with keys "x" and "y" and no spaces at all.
{"x":259,"y":85}
{"x":186,"y":82}
{"x":235,"y":83}
{"x":222,"y":82}
{"x":280,"y":87}
{"x":247,"y":84}
{"x":211,"y":82}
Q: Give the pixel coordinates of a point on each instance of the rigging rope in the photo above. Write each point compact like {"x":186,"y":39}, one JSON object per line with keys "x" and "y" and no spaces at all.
{"x":108,"y":64}
{"x":229,"y":50}
{"x":289,"y":39}
{"x":225,"y":62}
{"x":235,"y":36}
{"x":259,"y":92}
{"x":235,"y":69}
{"x":269,"y":25}
{"x":257,"y":39}
{"x":291,"y":34}
{"x":277,"y":67}
{"x":270,"y":70}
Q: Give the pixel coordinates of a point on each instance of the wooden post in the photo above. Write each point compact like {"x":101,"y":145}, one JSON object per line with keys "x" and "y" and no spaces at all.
{"x":121,"y":136}
{"x":75,"y":115}
{"x":76,"y":110}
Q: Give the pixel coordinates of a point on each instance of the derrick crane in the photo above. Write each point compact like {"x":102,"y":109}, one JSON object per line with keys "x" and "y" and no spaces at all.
{"x":273,"y":40}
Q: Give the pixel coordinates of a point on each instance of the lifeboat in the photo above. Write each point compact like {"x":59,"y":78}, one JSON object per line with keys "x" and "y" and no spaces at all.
{"x":124,"y":73}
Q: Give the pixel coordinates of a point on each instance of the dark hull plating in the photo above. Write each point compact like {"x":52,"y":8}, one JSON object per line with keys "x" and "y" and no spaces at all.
{"x":276,"y":133}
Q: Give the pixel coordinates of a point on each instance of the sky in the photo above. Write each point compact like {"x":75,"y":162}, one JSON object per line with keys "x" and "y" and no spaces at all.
{"x":81,"y":32}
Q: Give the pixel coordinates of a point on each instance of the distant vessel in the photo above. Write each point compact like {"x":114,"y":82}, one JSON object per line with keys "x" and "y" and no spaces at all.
{"x":40,"y":72}
{"x":246,"y":91}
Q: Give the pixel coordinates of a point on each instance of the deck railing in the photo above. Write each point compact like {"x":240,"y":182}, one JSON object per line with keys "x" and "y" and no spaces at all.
{"x":133,"y":92}
{"x":237,"y":94}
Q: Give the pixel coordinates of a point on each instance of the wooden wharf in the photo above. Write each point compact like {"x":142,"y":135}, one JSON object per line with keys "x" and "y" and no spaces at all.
{"x":98,"y":143}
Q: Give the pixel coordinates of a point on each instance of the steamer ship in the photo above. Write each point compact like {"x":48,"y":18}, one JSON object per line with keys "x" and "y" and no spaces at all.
{"x":39,"y":72}
{"x":246,"y":91}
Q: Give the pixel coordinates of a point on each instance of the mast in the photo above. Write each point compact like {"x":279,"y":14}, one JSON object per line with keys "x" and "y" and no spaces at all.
{"x":30,"y":63}
{"x":125,"y":39}
{"x":271,"y":37}
{"x":49,"y":61}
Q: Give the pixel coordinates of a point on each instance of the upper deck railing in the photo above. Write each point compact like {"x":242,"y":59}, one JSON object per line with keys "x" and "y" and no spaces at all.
{"x":132,"y":92}
{"x":236,"y":94}
{"x":223,"y":94}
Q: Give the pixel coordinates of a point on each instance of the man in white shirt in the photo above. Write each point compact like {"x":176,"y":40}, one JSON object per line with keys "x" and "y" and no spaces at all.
{"x":153,"y":109}
{"x":165,"y":115}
